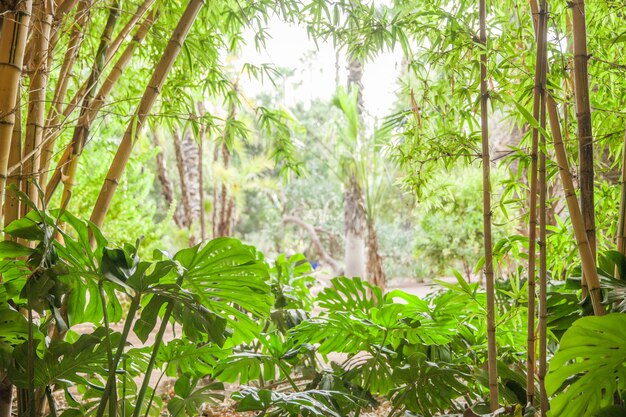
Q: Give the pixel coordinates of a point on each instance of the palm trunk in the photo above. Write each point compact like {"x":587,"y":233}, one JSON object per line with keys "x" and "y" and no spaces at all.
{"x":375,"y":272}
{"x":100,"y":98}
{"x":162,"y":69}
{"x":583,"y":115}
{"x":354,"y":228}
{"x":489,"y":276}
{"x":586,"y":255}
{"x":532,"y":231}
{"x":35,"y":120}
{"x":354,"y":217}
{"x":13,"y":31}
{"x":54,"y":114}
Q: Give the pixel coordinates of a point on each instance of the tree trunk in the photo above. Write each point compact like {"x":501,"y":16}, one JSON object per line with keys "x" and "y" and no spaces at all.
{"x":161,"y":71}
{"x":354,"y":228}
{"x":317,"y":243}
{"x":488,"y":248}
{"x":583,"y":115}
{"x":223,"y":204}
{"x":354,"y":216}
{"x":586,"y":255}
{"x":13,"y":30}
{"x":375,"y":272}
{"x":43,"y":11}
{"x":167,"y":188}
{"x":182,"y":175}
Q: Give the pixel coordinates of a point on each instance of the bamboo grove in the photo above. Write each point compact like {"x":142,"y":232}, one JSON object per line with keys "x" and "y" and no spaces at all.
{"x":554,"y":71}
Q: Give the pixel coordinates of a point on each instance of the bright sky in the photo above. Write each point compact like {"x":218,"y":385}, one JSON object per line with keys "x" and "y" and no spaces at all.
{"x":315,"y":71}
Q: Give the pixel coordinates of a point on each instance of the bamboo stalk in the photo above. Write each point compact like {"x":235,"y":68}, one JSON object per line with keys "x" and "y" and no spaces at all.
{"x":621,"y":230}
{"x":112,"y":50}
{"x":489,"y":276}
{"x":540,"y":76}
{"x":583,"y":116}
{"x":61,"y":11}
{"x":35,"y":120}
{"x":543,"y":266}
{"x":81,"y":131}
{"x":117,"y":42}
{"x":147,"y":100}
{"x":12,"y":43}
{"x":586,"y":255}
{"x":12,"y":203}
{"x":100,"y":98}
{"x":53,"y":120}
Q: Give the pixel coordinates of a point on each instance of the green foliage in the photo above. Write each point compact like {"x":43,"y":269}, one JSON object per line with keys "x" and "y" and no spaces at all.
{"x":589,"y":366}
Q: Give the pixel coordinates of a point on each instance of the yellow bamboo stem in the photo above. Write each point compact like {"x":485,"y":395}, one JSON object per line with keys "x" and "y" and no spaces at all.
{"x":492,"y":357}
{"x":81,"y":131}
{"x":53,"y":120}
{"x":99,"y":100}
{"x":583,"y":116}
{"x":12,"y":203}
{"x":586,"y":255}
{"x":12,"y":43}
{"x":540,"y":77}
{"x":157,"y":80}
{"x":44,"y":12}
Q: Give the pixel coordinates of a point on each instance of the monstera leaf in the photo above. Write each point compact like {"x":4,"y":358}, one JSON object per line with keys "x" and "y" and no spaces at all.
{"x":311,"y":403}
{"x":589,"y":367}
{"x":230,"y":281}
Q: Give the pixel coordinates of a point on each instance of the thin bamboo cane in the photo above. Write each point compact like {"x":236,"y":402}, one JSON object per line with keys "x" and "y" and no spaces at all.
{"x":583,"y":116}
{"x":61,"y":10}
{"x":13,"y":33}
{"x":43,"y":11}
{"x":201,"y":181}
{"x":489,"y":275}
{"x":81,"y":131}
{"x":52,"y":130}
{"x":100,"y":99}
{"x":147,"y":100}
{"x":543,"y":267}
{"x":621,"y":230}
{"x":111,"y":52}
{"x":117,"y":42}
{"x":586,"y":255}
{"x":540,"y":76}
